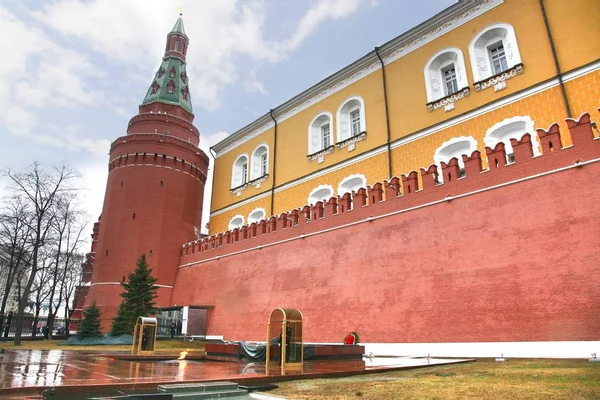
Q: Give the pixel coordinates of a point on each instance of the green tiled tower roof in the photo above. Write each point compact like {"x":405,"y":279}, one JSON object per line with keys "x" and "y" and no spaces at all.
{"x":178,"y":28}
{"x":170,"y":84}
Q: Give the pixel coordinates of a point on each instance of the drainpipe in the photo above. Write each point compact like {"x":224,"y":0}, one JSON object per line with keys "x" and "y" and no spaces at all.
{"x":387,"y":115}
{"x":558,"y":73}
{"x":212,"y":192}
{"x":274,"y":161}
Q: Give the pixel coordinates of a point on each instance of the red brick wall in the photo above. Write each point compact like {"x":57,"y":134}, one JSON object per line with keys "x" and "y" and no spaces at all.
{"x":516,"y":263}
{"x":152,"y":204}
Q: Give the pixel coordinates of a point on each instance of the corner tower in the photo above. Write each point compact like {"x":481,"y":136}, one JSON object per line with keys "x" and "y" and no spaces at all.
{"x":155,"y":188}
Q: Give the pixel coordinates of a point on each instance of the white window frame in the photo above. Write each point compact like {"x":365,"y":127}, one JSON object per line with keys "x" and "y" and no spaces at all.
{"x":315,"y":137}
{"x":344,"y":121}
{"x":256,"y":215}
{"x":512,"y":128}
{"x":454,"y":147}
{"x":435,"y":84}
{"x":326,"y":133}
{"x":320,"y":193}
{"x":261,"y":149}
{"x":236,"y":222}
{"x":237,"y":170}
{"x":351,"y":183}
{"x":481,"y":62}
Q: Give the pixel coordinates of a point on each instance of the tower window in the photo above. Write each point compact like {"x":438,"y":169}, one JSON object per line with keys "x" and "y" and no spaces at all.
{"x":172,"y":72}
{"x":133,"y":215}
{"x":171,"y":87}
{"x":177,"y":45}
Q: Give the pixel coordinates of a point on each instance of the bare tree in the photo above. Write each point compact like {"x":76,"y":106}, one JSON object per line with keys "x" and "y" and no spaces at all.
{"x":68,"y":225}
{"x":38,"y":189}
{"x":40,"y":289}
{"x":14,"y":232}
{"x":72,"y":280}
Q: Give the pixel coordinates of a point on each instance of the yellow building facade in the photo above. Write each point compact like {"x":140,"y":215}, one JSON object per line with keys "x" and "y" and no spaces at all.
{"x":474,"y":75}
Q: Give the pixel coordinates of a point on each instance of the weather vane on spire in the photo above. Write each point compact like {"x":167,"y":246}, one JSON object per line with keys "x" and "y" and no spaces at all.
{"x":180,"y":11}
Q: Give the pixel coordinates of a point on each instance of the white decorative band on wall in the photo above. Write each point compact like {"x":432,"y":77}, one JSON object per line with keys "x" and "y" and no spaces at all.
{"x":575,"y":349}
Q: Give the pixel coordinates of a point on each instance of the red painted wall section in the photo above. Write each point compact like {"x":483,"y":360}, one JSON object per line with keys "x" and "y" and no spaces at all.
{"x":153,"y":202}
{"x":514,"y":263}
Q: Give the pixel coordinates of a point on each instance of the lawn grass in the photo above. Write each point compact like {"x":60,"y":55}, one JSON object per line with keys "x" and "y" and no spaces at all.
{"x":484,"y":379}
{"x":162,"y":346}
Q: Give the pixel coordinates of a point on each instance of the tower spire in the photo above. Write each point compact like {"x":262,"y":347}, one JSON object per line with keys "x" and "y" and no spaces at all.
{"x":170,"y":84}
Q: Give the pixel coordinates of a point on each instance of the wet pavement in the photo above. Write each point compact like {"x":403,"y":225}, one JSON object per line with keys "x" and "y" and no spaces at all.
{"x":71,"y":370}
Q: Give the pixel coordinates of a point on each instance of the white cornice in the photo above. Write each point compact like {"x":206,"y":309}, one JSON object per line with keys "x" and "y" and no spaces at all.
{"x":440,"y":24}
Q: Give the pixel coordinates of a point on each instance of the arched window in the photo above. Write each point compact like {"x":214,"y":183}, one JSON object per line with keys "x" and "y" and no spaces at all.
{"x":445,"y":74}
{"x":351,"y":119}
{"x":319,"y":133}
{"x":351,"y":183}
{"x":236,"y":222}
{"x":258,"y":214}
{"x":493,"y":51}
{"x":511,"y":128}
{"x":260,"y":162}
{"x":239,"y":174}
{"x":320,"y":193}
{"x":454,"y":147}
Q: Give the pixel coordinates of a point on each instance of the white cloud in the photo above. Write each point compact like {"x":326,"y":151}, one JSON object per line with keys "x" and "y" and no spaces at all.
{"x":58,"y":56}
{"x":220,"y":31}
{"x":40,"y":75}
{"x":253,"y":85}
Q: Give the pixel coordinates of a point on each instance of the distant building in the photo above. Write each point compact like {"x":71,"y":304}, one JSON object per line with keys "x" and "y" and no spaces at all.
{"x":12,"y":303}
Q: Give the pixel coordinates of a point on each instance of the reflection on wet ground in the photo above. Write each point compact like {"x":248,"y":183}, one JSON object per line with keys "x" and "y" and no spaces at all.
{"x":37,"y":368}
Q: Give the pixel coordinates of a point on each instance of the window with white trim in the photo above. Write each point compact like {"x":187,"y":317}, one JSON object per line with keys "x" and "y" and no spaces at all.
{"x":351,"y":118}
{"x":319,"y":133}
{"x":498,"y":58}
{"x":450,"y":82}
{"x":236,"y":222}
{"x":256,"y":215}
{"x":263,"y":165}
{"x":320,"y":193}
{"x":493,"y":51}
{"x":325,"y":136}
{"x":260,"y":162}
{"x":512,"y":128}
{"x":239,"y":173}
{"x":455,"y":147}
{"x":355,"y":121}
{"x":244,"y":173}
{"x":351,"y":183}
{"x":445,"y":74}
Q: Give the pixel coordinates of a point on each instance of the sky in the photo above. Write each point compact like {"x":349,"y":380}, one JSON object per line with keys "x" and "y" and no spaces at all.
{"x":73,"y":72}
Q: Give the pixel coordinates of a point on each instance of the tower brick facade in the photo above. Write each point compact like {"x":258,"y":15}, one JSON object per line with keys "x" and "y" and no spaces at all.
{"x":154,"y":193}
